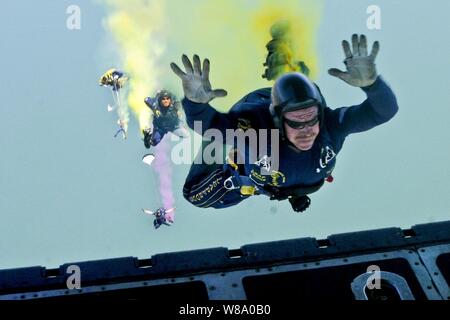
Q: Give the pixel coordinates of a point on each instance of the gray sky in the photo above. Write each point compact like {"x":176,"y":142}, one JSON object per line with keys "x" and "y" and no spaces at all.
{"x":71,"y":192}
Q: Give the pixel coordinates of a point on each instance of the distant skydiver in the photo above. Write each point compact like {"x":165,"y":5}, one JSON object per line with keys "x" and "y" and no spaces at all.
{"x":310,"y":133}
{"x":166,"y":118}
{"x":116,"y":80}
{"x":281,"y":58}
{"x":162,"y":216}
{"x":113,"y":78}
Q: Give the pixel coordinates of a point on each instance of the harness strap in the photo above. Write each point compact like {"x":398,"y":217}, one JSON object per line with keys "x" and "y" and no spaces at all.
{"x":248,"y":187}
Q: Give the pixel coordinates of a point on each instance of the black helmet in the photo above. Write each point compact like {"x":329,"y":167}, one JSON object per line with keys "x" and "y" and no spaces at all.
{"x":294,"y":91}
{"x":164,"y":94}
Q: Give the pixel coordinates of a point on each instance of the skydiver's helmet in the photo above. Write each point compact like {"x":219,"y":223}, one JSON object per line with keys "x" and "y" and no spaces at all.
{"x":159,"y":213}
{"x":294,"y":91}
{"x":164,"y":94}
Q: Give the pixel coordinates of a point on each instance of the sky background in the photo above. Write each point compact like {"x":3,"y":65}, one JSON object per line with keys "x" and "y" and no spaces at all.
{"x":71,"y":192}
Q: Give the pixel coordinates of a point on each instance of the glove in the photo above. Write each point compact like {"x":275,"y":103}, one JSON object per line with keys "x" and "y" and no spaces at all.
{"x":196,"y":85}
{"x":361,"y":71}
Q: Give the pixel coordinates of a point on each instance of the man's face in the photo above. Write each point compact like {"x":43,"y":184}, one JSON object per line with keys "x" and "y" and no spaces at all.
{"x":165,"y":101}
{"x":302,"y":127}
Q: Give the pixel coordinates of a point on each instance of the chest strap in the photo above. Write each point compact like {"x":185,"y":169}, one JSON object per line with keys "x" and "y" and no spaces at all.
{"x":248,"y":187}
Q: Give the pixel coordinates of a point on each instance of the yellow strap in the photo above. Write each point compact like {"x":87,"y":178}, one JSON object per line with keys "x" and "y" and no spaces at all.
{"x":231,"y":163}
{"x":248,"y":190}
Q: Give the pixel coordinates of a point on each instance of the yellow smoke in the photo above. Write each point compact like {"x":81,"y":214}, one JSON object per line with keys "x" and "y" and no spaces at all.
{"x":231,"y":33}
{"x":303,"y":18}
{"x":135,"y":26}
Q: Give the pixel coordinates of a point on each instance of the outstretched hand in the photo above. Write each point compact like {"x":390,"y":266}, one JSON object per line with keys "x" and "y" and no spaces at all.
{"x":361,"y":71}
{"x":195,"y":80}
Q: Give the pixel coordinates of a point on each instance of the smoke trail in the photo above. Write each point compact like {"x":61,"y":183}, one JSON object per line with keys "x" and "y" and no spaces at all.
{"x":162,"y":166}
{"x":233,"y":35}
{"x":138,"y":29}
{"x":137,"y":26}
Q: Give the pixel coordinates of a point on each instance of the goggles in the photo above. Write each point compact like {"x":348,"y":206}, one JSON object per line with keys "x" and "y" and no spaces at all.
{"x":300,"y":125}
